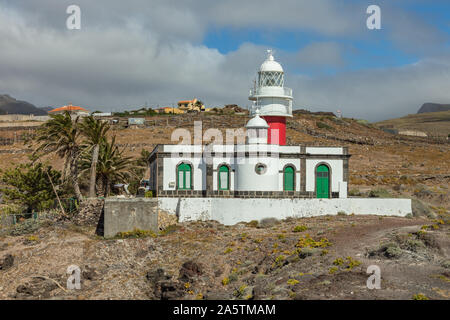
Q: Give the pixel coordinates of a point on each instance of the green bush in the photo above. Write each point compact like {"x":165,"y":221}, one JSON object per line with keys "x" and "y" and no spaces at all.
{"x":323,"y":125}
{"x":354,"y":193}
{"x":26,"y":227}
{"x":379,"y":193}
{"x":29,"y":185}
{"x":300,"y":228}
{"x":148,"y":194}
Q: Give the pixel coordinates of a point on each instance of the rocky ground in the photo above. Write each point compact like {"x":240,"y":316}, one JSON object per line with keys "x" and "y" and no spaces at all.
{"x":310,"y":258}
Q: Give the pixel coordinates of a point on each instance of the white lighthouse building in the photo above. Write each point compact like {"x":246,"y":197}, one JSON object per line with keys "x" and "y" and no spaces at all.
{"x":262,"y":167}
{"x":272,"y":99}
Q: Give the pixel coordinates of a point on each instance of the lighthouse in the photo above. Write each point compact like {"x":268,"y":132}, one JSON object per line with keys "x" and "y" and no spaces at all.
{"x":272,"y":99}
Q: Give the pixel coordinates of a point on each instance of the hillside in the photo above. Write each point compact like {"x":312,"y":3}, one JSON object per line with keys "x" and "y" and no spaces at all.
{"x":9,"y":105}
{"x":433,"y":107}
{"x":206,"y":260}
{"x":432,"y":123}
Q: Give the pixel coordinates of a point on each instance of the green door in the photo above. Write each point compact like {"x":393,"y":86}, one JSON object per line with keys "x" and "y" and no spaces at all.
{"x":322,"y":182}
{"x":184,"y":177}
{"x":288,"y":179}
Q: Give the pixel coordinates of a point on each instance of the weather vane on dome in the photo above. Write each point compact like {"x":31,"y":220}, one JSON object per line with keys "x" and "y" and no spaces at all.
{"x":269,"y":54}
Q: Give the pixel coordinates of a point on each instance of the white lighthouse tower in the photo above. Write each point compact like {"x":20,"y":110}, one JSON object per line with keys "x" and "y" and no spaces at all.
{"x":272,"y":99}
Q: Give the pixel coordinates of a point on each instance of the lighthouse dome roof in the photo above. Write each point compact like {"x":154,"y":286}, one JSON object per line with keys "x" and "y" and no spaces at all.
{"x":270,"y":64}
{"x":257,"y":122}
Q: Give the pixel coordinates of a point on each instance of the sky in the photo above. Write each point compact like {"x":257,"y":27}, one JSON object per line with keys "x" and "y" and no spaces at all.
{"x":134,"y":53}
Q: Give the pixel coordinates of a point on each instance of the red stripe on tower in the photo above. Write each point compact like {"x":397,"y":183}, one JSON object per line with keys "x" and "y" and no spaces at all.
{"x":277,"y":130}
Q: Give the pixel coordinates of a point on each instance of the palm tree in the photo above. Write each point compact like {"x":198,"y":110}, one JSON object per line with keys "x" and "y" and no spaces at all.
{"x":95,"y":132}
{"x":61,"y":135}
{"x":112,"y":166}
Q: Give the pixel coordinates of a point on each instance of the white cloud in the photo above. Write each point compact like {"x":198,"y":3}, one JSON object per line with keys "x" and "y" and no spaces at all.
{"x":129,"y":53}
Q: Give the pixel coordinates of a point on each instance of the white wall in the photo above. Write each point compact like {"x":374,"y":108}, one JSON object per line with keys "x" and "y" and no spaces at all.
{"x":248,"y":180}
{"x":234,"y":210}
{"x":324,"y":150}
{"x":337,"y":173}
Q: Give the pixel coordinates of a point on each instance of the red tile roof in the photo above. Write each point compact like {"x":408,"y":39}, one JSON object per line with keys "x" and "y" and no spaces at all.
{"x":69,"y":108}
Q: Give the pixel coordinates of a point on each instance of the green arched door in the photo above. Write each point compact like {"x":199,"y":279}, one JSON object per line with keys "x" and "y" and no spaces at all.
{"x":289,"y":179}
{"x":323,"y":182}
{"x":184,"y":176}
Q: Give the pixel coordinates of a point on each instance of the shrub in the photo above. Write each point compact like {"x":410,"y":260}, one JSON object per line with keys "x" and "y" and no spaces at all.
{"x":354,"y":193}
{"x":307,"y":241}
{"x":29,"y":185}
{"x":25,"y":227}
{"x":292,"y":282}
{"x":148,"y":194}
{"x":323,"y":125}
{"x":333,"y":270}
{"x":379,"y":193}
{"x":136,"y":233}
{"x":420,"y":296}
{"x":300,"y":228}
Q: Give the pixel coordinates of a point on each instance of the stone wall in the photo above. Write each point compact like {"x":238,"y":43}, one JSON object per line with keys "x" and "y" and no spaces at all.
{"x":123,"y":215}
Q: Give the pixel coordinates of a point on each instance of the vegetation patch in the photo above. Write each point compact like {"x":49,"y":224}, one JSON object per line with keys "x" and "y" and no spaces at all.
{"x":300,"y":228}
{"x":307,"y":241}
{"x":136,"y":233}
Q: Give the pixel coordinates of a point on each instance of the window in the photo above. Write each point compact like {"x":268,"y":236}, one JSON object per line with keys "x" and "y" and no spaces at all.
{"x":271,"y":79}
{"x":184,"y":175}
{"x":224,"y":177}
{"x":288,"y":178}
{"x":260,"y":168}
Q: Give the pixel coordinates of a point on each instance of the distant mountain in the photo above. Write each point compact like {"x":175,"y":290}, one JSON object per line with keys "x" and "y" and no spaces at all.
{"x":46,"y":109}
{"x":9,"y":105}
{"x":433,"y":107}
{"x":431,"y":123}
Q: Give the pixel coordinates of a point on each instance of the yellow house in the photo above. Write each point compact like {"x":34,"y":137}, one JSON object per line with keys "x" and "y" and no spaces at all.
{"x":170,"y":110}
{"x":191,"y":105}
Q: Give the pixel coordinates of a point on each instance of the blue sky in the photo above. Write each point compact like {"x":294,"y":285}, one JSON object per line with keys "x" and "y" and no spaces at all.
{"x":373,"y":50}
{"x":156,"y":52}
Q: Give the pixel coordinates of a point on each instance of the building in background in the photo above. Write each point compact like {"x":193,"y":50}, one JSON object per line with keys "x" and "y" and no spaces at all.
{"x":169,"y":110}
{"x":193,"y":105}
{"x":73,"y":110}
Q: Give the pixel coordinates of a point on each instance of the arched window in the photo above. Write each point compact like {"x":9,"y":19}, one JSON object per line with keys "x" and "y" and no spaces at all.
{"x":224,"y":177}
{"x":288,"y":178}
{"x":184,"y":176}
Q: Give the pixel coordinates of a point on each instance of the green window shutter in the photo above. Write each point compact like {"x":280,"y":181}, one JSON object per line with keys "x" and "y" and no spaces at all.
{"x":322,"y":182}
{"x":289,"y":179}
{"x":224,"y":177}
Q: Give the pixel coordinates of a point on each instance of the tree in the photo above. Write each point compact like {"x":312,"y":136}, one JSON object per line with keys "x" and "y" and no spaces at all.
{"x":112,"y":166}
{"x":95,"y":131}
{"x":61,"y":135}
{"x":139,"y":169}
{"x":30,"y":186}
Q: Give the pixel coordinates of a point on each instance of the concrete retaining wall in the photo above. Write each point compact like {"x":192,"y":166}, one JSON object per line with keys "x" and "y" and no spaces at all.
{"x":232,"y":211}
{"x":141,"y":213}
{"x":128,"y":214}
